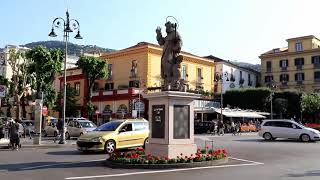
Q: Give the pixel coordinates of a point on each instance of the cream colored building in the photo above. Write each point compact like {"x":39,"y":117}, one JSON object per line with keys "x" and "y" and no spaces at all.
{"x":294,"y":67}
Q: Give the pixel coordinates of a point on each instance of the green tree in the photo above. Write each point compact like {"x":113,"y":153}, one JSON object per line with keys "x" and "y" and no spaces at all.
{"x":71,"y":105}
{"x":45,"y":64}
{"x":257,"y":99}
{"x":21,"y":78}
{"x":311,"y":103}
{"x":93,"y":68}
{"x":281,"y":106}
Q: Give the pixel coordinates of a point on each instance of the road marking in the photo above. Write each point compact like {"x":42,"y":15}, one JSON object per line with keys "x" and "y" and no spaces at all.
{"x":57,"y":164}
{"x":255,"y":162}
{"x":252,"y":163}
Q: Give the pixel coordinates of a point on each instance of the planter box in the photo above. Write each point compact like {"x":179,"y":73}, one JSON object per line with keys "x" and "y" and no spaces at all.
{"x":165,"y":166}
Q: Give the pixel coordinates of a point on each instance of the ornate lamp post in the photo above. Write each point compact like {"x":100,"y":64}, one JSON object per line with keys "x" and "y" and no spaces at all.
{"x":220,"y":77}
{"x":75,"y":26}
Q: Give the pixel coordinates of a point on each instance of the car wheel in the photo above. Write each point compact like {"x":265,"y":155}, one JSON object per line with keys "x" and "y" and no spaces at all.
{"x":67,"y":135}
{"x":55,"y":134}
{"x":110,"y":146}
{"x":267,"y":136}
{"x":145,"y":142}
{"x":305,"y":138}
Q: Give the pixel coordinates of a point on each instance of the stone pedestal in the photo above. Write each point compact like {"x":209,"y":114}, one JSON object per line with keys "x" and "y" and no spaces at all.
{"x":171,"y":121}
{"x":37,"y":122}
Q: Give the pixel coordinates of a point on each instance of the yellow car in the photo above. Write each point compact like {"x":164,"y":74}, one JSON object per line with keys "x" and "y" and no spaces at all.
{"x":116,"y":134}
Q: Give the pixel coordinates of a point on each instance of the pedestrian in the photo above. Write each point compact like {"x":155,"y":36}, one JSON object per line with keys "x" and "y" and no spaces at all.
{"x":238,"y":128}
{"x":233,"y":128}
{"x":212,"y":128}
{"x":220,"y":128}
{"x":14,"y":135}
{"x":60,"y":127}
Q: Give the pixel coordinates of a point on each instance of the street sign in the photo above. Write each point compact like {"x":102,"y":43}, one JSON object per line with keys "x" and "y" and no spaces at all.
{"x":2,"y":91}
{"x":45,"y":111}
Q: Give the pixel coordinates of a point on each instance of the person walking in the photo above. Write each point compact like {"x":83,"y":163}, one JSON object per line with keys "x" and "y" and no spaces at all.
{"x":14,"y":135}
{"x":59,"y":125}
{"x":233,"y":128}
{"x":220,"y":128}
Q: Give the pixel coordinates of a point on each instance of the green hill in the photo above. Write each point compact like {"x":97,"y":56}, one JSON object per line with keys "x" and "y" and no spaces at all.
{"x":73,"y":49}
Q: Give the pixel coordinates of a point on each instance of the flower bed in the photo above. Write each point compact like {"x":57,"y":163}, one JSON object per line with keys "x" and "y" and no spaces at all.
{"x":138,"y":159}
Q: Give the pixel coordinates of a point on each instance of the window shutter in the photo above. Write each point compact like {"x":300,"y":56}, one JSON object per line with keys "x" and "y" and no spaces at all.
{"x":302,"y":76}
{"x":280,"y":63}
{"x":287,"y":62}
{"x":296,"y":76}
{"x":302,"y":61}
{"x":287,"y":77}
{"x":280,"y":77}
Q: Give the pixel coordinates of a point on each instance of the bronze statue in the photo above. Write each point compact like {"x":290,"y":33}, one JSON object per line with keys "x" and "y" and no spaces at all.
{"x":171,"y":60}
{"x":134,"y":68}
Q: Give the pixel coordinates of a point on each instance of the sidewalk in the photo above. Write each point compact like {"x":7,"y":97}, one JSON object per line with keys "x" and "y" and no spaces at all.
{"x":45,"y":143}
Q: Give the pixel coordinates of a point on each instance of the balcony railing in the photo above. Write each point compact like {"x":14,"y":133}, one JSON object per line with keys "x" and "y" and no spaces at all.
{"x":299,"y":82}
{"x":299,"y":67}
{"x":316,"y":66}
{"x":283,"y":68}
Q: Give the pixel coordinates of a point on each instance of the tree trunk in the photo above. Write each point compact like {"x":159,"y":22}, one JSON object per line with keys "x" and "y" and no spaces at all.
{"x":24,"y":112}
{"x":18,"y":117}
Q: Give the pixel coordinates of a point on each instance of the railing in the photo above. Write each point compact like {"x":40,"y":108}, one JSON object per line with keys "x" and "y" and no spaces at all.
{"x":299,"y":82}
{"x":299,"y":67}
{"x":283,"y":68}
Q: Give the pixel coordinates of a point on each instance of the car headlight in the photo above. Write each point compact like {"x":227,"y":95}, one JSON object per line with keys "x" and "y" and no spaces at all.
{"x":97,"y":139}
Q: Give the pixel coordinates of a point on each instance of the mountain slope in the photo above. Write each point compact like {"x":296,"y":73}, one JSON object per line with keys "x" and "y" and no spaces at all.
{"x":73,"y":49}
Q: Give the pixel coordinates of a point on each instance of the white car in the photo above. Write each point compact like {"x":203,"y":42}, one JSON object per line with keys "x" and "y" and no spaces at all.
{"x":282,"y":128}
{"x":78,"y":127}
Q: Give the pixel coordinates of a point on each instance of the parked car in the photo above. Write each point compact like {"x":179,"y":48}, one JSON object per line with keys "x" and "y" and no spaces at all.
{"x":116,"y":134}
{"x":68,"y":119}
{"x":282,"y":128}
{"x":76,"y":128}
{"x":50,"y":128}
{"x":28,"y":126}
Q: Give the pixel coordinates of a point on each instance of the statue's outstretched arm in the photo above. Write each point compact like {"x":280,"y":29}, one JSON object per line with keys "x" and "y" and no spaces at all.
{"x":160,"y":39}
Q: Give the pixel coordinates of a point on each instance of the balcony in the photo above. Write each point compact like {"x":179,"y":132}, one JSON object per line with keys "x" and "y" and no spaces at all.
{"x":317,"y":81}
{"x":283,"y":68}
{"x":109,"y":94}
{"x":299,"y":67}
{"x":269,"y":70}
{"x":316,"y":66}
{"x":299,"y":82}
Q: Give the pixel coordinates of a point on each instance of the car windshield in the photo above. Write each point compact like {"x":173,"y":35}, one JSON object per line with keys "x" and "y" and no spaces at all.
{"x":110,"y":126}
{"x":87,"y":124}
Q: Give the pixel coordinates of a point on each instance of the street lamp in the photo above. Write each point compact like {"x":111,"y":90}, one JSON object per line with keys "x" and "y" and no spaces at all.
{"x":65,"y":24}
{"x":273,"y":86}
{"x":220,"y":77}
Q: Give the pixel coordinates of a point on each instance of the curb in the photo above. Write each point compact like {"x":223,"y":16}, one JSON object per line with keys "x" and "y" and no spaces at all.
{"x":165,"y":166}
{"x":43,"y":146}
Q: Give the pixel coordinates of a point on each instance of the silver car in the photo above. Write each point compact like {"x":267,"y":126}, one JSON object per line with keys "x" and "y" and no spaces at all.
{"x":76,"y":128}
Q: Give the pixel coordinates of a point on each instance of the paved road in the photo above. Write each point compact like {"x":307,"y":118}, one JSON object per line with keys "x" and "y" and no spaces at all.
{"x":253,"y":158}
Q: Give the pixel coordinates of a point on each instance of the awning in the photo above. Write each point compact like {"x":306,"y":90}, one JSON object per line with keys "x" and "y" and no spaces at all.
{"x":240,"y":114}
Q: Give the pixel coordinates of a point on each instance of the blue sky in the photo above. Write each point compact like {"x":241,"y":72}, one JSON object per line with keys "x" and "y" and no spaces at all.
{"x":231,"y":29}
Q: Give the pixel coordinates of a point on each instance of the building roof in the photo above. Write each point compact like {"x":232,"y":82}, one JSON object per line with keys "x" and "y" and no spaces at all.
{"x":217,"y":59}
{"x":146,"y":44}
{"x":303,"y":37}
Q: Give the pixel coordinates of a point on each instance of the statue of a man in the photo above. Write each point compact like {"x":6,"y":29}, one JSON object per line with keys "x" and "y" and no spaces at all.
{"x":170,"y":60}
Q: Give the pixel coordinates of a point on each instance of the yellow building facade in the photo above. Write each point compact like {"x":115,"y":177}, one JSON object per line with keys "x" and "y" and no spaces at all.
{"x":133,"y":72}
{"x":294,"y":67}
